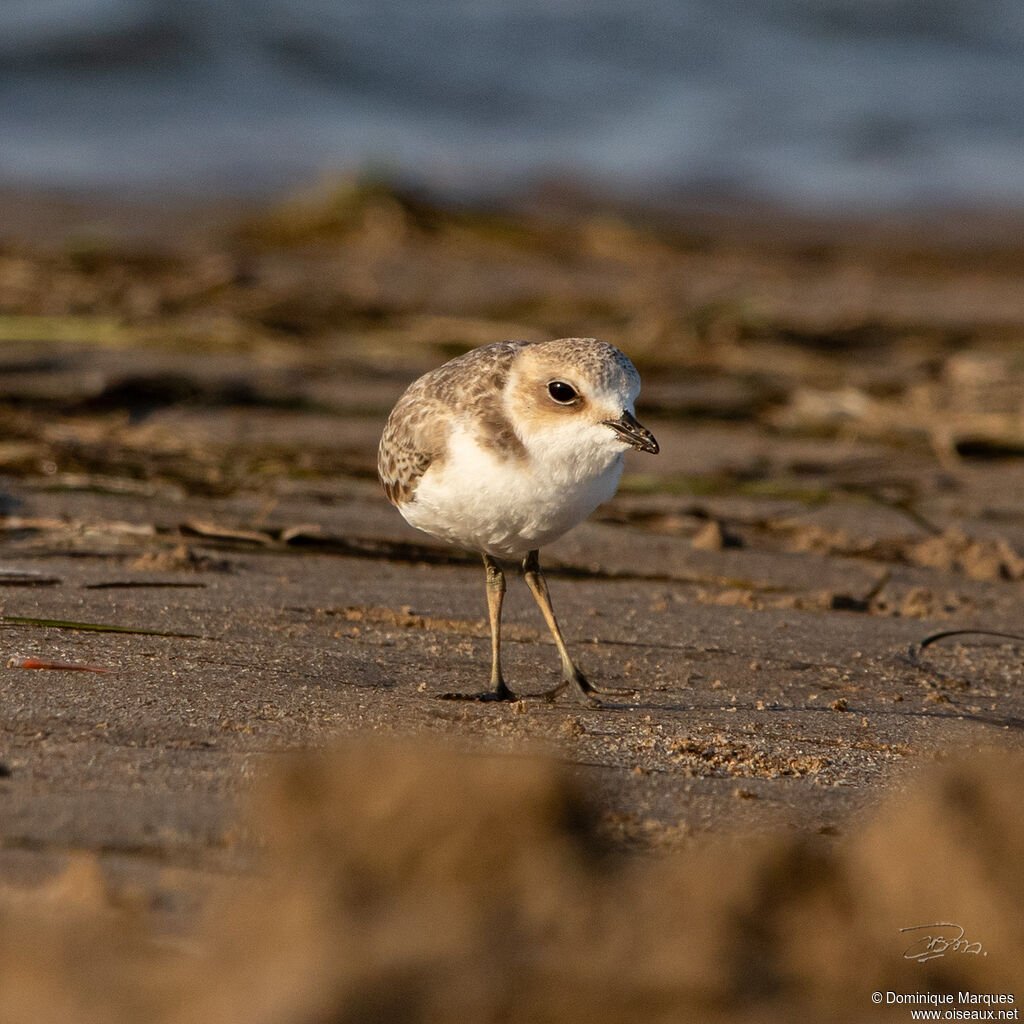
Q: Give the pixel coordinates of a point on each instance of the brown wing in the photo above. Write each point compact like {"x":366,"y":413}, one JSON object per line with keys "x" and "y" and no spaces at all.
{"x":415,"y":437}
{"x":416,"y":433}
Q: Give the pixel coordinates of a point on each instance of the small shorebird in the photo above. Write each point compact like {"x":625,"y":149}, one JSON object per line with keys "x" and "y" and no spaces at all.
{"x":503,"y":450}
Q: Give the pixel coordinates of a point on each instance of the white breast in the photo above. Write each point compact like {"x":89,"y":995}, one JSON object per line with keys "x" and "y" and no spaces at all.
{"x":506,"y":506}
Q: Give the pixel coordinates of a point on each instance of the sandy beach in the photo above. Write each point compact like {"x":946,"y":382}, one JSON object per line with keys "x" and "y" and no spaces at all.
{"x":246,"y":787}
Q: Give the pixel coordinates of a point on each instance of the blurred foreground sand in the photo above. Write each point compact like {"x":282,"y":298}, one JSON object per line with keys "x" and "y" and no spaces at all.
{"x":408,"y":883}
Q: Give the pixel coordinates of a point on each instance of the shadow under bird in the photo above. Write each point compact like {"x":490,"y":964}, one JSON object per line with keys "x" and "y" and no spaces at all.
{"x":504,"y":449}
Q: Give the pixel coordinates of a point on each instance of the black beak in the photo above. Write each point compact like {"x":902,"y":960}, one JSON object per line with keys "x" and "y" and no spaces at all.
{"x":627,"y":427}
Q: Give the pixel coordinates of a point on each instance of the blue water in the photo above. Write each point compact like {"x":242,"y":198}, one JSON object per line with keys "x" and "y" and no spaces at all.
{"x":818,"y":103}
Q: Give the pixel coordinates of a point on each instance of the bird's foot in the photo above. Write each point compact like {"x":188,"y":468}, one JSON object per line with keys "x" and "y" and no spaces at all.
{"x":584,"y":691}
{"x":581,"y":692}
{"x":611,"y":691}
{"x":500,"y":693}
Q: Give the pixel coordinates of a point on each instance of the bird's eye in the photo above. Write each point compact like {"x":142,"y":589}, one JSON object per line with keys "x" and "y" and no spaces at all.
{"x":562,"y":393}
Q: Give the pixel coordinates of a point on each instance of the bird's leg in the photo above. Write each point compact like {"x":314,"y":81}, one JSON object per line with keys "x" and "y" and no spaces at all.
{"x":572,"y":677}
{"x":495,"y":596}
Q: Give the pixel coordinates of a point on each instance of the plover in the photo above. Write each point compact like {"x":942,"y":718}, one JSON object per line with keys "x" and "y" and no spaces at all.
{"x":503,"y":450}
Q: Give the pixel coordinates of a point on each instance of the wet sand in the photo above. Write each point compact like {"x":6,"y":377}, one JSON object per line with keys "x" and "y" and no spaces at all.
{"x":187,"y":441}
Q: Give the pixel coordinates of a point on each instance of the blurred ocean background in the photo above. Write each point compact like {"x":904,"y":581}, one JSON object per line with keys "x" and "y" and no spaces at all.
{"x":823,"y":104}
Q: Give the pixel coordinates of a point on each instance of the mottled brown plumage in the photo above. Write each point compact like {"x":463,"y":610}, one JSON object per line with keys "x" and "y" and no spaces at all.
{"x":416,"y":432}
